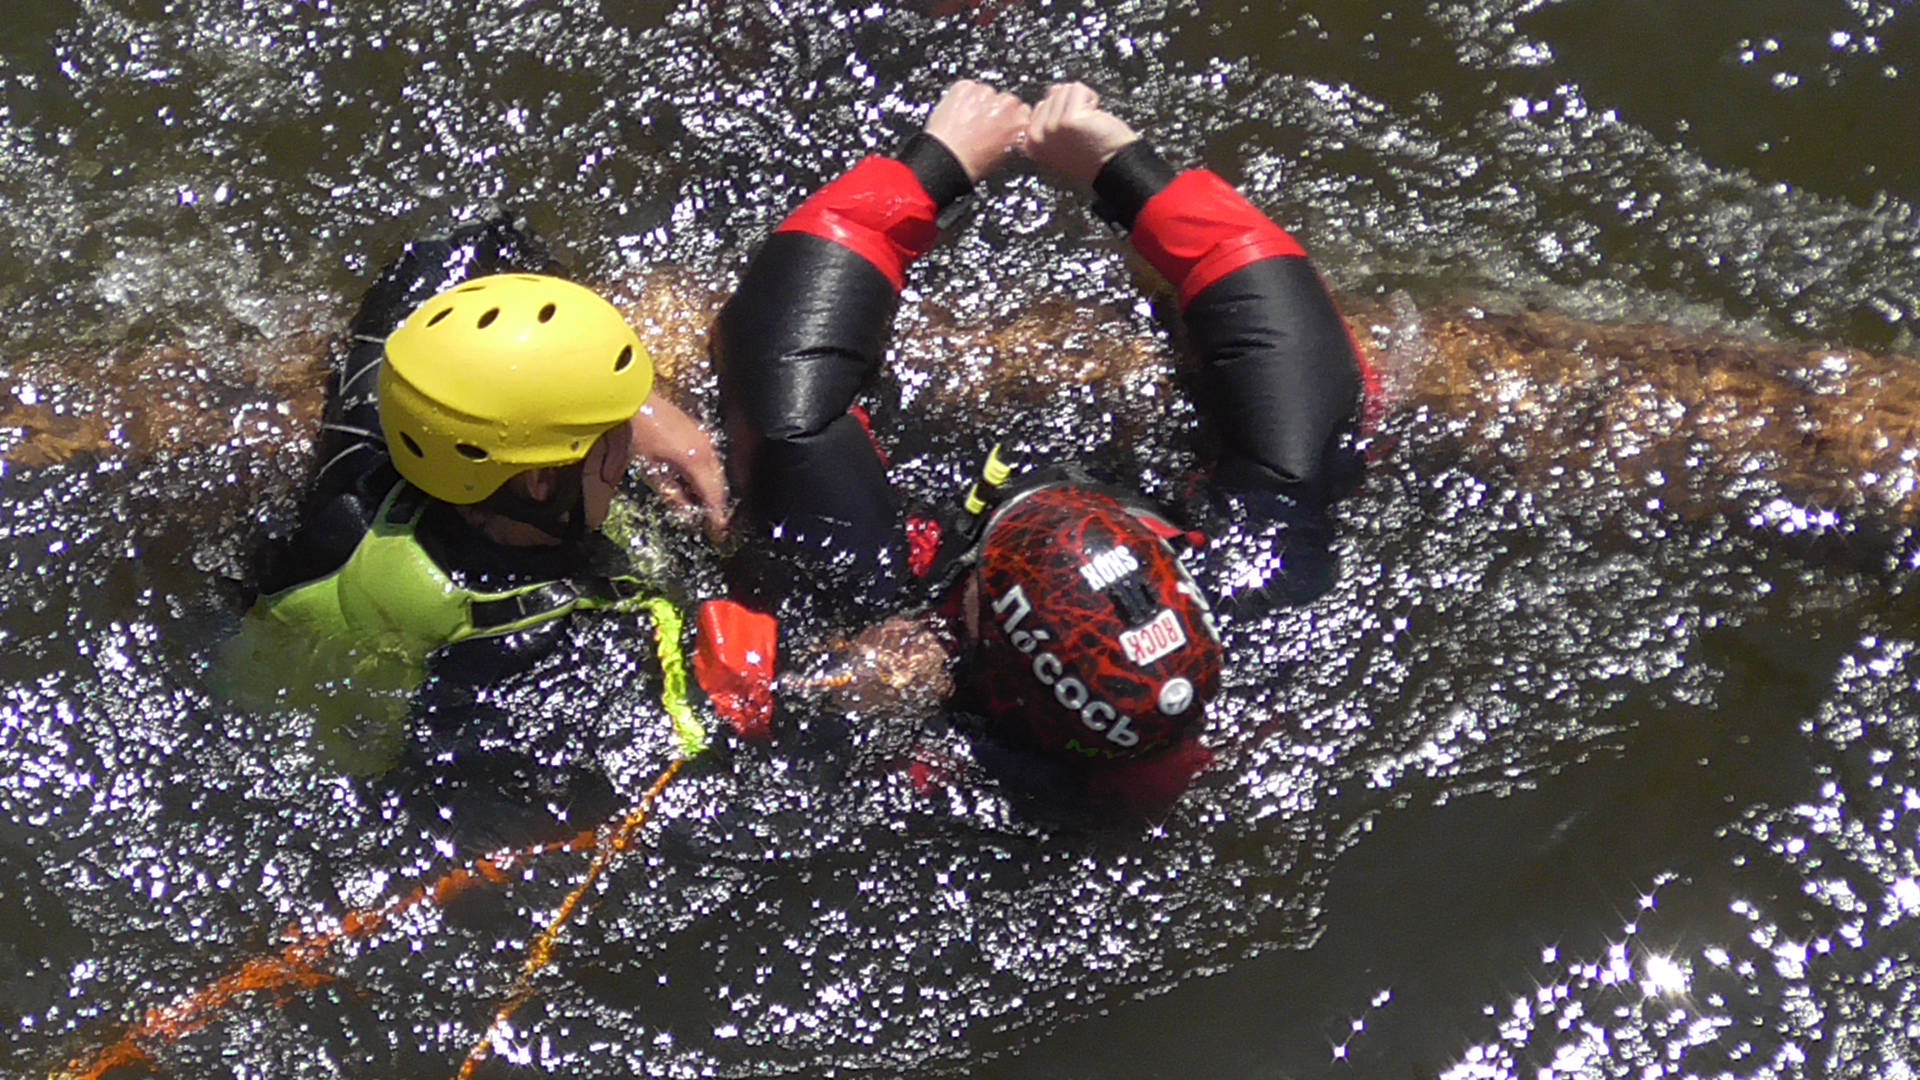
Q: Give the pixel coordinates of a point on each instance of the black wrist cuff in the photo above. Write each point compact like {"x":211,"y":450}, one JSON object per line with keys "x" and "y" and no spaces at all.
{"x":936,"y":168}
{"x":1127,"y":181}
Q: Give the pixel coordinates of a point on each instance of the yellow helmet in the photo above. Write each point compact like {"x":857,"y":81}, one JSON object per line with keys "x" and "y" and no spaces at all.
{"x":502,"y":374}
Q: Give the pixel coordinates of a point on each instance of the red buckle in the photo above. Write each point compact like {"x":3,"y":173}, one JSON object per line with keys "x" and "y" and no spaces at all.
{"x":735,"y":661}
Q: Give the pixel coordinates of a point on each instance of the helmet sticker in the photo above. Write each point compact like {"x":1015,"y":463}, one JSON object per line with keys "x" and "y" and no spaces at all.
{"x":1148,"y":643}
{"x":1175,"y":696}
{"x":1108,"y":567}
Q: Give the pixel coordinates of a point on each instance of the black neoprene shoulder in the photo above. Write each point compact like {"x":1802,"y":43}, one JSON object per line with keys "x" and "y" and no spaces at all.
{"x":352,"y":473}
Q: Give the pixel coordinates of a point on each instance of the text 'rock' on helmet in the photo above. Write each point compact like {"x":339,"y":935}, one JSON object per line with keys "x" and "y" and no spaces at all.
{"x":502,"y":374}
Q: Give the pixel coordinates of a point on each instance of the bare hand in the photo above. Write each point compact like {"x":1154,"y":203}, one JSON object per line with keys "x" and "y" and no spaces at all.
{"x":979,"y":124}
{"x":677,"y":460}
{"x":895,"y":664}
{"x":1072,"y":135}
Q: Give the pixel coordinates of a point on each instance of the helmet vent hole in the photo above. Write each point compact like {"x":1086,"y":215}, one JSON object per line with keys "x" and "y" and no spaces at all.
{"x":470,"y":451}
{"x":546,"y":313}
{"x":624,"y":360}
{"x":486,"y":320}
{"x":435,"y":321}
{"x":470,"y":288}
{"x":412,"y":447}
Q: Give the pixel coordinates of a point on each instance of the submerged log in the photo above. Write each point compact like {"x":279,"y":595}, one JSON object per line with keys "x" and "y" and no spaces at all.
{"x":1788,"y":439}
{"x":140,"y":402}
{"x":1808,"y":443}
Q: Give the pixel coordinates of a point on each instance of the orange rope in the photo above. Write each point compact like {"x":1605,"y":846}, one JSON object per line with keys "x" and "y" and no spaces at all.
{"x":540,"y":952}
{"x":297,"y":966}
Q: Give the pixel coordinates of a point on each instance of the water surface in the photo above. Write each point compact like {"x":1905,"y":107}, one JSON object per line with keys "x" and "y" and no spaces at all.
{"x":1557,"y":776}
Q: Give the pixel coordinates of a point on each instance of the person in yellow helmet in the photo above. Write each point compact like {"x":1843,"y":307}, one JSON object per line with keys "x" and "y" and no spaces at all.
{"x":478,"y":427}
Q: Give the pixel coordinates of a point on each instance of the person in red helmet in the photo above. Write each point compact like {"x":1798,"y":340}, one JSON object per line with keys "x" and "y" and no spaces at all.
{"x":1084,"y":613}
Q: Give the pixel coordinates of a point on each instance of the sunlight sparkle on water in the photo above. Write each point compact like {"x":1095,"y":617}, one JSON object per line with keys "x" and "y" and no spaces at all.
{"x":1664,"y":976}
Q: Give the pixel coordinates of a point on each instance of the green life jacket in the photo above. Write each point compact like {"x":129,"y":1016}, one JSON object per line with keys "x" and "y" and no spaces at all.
{"x":348,"y":650}
{"x":392,"y":597}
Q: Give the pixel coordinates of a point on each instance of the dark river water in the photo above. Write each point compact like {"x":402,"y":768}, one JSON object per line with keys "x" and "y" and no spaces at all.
{"x":1556,"y":781}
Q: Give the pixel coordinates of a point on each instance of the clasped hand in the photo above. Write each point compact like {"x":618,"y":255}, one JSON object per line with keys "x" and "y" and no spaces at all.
{"x":1067,"y":132}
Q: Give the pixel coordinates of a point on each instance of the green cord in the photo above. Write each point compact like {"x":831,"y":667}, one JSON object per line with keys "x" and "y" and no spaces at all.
{"x":628,"y":527}
{"x":667,"y":626}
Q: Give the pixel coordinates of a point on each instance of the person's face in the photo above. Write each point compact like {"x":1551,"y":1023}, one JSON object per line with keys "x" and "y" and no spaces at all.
{"x":605,"y":469}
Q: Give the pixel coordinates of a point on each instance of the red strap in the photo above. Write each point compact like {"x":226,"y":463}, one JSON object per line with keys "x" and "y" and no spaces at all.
{"x":1198,"y":230}
{"x":865,"y":419}
{"x":1168,"y":531}
{"x":929,"y":776}
{"x":878,"y":211}
{"x":923,"y":544}
{"x":734,"y":661}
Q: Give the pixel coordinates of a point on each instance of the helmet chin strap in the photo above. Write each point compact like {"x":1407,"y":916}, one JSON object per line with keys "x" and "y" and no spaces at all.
{"x":561,"y":515}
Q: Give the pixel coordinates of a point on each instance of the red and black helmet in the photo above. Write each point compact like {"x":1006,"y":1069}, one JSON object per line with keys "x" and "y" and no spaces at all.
{"x":1093,"y":639}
